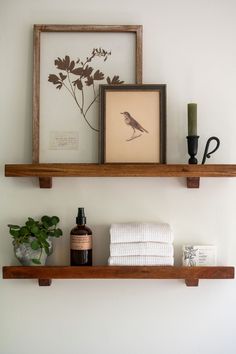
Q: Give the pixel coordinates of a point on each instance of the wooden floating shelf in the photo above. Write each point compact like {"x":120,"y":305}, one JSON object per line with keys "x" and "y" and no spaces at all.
{"x":45,"y":171}
{"x":45,"y":274}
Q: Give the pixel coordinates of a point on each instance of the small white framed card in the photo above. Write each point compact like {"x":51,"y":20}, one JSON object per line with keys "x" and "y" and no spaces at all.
{"x":199,"y":255}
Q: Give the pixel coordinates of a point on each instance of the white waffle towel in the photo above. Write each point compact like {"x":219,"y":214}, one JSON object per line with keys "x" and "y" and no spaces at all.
{"x":141,"y":261}
{"x":141,"y":232}
{"x":142,"y":249}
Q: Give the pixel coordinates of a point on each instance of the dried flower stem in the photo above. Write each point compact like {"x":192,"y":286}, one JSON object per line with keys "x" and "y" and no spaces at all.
{"x":85,"y":76}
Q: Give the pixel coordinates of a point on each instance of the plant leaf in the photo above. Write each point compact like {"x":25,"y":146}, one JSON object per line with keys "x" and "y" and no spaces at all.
{"x":24,"y":231}
{"x":63,"y":77}
{"x":78,"y":84}
{"x":30,"y":223}
{"x":77,"y":71}
{"x":67,"y":61}
{"x":98,"y":75}
{"x":35,"y":261}
{"x":89,"y":81}
{"x":35,"y":245}
{"x":71,"y":66}
{"x":115,"y":80}
{"x":57,"y":232}
{"x":34,"y":229}
{"x":13,"y":226}
{"x":55,"y":220}
{"x":62,"y":64}
{"x":43,"y":234}
{"x":87,"y":71}
{"x":54,"y":79}
{"x":14,"y":233}
{"x":46,"y":220}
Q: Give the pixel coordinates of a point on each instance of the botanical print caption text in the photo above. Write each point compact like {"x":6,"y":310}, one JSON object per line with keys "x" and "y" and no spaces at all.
{"x":64,"y":140}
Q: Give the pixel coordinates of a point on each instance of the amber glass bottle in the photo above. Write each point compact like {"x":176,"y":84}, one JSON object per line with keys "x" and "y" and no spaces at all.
{"x":81,"y":242}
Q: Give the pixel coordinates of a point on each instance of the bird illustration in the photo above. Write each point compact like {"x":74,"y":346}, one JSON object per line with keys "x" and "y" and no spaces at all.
{"x":129,"y":120}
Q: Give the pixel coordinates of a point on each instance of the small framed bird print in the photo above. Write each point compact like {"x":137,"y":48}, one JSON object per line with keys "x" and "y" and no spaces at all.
{"x":133,"y":123}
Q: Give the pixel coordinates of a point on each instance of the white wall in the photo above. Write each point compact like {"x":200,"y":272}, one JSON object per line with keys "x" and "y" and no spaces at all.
{"x":190,"y":45}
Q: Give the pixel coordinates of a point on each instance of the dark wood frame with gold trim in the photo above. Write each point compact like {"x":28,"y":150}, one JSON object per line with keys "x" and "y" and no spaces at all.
{"x":136,"y":29}
{"x":144,"y":87}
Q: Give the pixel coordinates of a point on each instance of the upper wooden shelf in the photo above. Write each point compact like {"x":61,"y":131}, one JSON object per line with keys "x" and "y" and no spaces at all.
{"x":44,"y":274}
{"x":45,"y":171}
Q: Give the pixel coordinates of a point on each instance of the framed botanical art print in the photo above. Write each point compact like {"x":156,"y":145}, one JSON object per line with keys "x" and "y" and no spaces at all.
{"x":70,"y":61}
{"x":133,"y":121}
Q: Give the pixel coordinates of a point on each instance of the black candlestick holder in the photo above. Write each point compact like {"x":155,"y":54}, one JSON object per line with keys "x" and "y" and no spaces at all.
{"x":192,"y":148}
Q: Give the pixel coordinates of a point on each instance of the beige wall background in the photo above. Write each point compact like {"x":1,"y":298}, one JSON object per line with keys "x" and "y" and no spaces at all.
{"x":190,"y":46}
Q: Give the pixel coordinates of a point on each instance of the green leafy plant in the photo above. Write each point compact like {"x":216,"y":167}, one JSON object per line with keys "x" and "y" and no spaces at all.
{"x":36,"y":234}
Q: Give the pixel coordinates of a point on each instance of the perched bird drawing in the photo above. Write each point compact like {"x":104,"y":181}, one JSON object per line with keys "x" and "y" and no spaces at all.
{"x":129,"y":120}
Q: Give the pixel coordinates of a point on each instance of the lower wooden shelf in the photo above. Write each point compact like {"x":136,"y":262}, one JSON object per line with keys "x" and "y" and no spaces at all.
{"x":45,"y":274}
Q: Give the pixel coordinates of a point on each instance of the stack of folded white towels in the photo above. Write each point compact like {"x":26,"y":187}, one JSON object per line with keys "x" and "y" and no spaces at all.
{"x":141,"y":244}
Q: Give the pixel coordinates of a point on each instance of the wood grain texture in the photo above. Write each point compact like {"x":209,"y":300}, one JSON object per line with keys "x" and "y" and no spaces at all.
{"x":190,"y":274}
{"x":139,"y":54}
{"x":118,"y":170}
{"x":192,"y":282}
{"x":88,"y":28}
{"x":36,"y":95}
{"x":45,"y":282}
{"x":45,"y":182}
{"x":193,"y":182}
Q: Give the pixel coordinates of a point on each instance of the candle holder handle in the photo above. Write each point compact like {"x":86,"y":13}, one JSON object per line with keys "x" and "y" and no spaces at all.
{"x":192,"y":141}
{"x":208,"y":154}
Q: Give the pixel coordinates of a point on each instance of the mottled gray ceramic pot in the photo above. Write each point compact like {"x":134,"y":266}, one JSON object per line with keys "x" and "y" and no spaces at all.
{"x":25,"y":254}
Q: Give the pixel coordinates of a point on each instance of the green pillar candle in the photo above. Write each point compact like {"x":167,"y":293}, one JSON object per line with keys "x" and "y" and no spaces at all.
{"x":192,"y":119}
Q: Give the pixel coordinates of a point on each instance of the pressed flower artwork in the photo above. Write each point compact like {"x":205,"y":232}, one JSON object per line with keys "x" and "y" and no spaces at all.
{"x":77,"y":76}
{"x":72,"y":61}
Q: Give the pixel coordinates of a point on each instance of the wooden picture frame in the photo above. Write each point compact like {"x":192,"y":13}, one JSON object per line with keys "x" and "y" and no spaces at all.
{"x":133,"y":121}
{"x":53,"y":134}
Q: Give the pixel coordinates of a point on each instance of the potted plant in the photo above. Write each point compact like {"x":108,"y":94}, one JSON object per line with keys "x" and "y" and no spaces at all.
{"x":33,"y":241}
